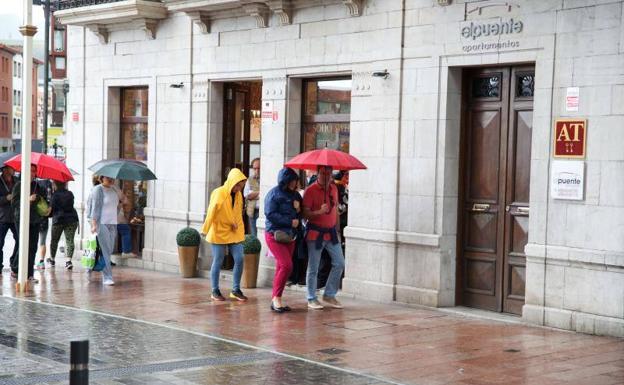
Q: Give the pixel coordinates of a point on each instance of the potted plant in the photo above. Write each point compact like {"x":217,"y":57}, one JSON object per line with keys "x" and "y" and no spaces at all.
{"x":188,"y":240}
{"x":251,"y":248}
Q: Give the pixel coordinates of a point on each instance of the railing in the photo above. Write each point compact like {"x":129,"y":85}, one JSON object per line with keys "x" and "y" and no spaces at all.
{"x":60,"y":5}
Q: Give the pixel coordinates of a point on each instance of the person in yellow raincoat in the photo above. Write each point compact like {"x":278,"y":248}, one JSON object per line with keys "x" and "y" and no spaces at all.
{"x":224,"y":228}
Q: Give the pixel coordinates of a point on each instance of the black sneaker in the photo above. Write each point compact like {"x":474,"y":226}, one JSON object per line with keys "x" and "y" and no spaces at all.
{"x":238,"y":295}
{"x":216,"y":295}
{"x":69,"y":265}
{"x":50,"y":262}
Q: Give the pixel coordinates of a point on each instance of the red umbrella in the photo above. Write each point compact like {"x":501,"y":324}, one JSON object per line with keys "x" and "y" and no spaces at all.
{"x":335,"y":159}
{"x":47,"y":167}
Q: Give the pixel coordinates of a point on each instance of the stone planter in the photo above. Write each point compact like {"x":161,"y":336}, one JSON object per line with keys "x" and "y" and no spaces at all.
{"x":250,"y":271}
{"x":188,"y":260}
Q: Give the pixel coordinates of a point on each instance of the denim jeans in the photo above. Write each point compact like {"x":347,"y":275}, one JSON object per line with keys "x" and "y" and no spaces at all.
{"x":126,"y":237}
{"x":218,"y":253}
{"x":314,"y":258}
{"x":4,"y":229}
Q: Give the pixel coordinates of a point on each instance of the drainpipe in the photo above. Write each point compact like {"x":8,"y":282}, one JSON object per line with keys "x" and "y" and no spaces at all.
{"x":85,"y":180}
{"x":190,"y":144}
{"x":398,"y":162}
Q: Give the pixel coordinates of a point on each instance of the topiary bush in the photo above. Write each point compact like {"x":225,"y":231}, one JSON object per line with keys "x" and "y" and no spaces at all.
{"x":188,"y":236}
{"x":251,"y":244}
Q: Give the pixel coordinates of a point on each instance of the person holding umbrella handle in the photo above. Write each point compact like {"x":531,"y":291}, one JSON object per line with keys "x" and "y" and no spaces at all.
{"x":103,"y":216}
{"x":320,"y":208}
{"x":36,"y":217}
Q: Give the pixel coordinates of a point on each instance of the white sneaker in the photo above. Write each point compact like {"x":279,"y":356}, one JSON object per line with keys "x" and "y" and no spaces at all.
{"x":108,"y":282}
{"x":128,"y":255}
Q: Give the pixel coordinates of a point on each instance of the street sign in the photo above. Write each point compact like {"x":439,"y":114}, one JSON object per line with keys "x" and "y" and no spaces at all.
{"x":570,"y":138}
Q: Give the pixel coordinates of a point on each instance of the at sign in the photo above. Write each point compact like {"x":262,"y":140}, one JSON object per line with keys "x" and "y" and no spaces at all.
{"x":570,"y":138}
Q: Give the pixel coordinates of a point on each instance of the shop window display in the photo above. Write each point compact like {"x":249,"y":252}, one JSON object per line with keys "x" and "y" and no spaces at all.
{"x":327,"y":115}
{"x":133,"y":125}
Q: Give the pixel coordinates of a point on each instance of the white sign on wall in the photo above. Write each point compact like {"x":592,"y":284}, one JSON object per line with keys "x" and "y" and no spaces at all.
{"x":267,"y":111}
{"x":567,"y":179}
{"x":572,"y":99}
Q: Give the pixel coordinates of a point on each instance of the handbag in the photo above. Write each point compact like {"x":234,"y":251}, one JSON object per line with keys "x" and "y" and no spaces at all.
{"x":42,"y":207}
{"x":100,"y":262}
{"x":282,"y":236}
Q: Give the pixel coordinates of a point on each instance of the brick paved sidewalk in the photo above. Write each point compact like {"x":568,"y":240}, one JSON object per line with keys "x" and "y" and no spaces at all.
{"x":409,"y":345}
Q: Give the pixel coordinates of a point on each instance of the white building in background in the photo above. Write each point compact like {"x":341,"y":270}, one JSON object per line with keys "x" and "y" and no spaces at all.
{"x":16,"y":131}
{"x":492,"y":134}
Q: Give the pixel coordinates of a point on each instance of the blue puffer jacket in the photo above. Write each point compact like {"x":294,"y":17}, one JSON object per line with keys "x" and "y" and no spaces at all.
{"x":278,"y":204}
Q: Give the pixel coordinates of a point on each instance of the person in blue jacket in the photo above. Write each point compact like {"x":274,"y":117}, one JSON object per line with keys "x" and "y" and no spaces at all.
{"x":282,"y":208}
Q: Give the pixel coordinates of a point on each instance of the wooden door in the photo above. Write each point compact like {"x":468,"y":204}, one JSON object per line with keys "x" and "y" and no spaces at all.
{"x":494,"y":187}
{"x":236,"y":120}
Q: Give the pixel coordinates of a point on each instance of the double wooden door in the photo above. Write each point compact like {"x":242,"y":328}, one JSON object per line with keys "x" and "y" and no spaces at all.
{"x":494,"y":187}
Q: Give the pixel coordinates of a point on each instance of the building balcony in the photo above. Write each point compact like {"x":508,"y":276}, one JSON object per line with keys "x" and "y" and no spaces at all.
{"x":105,"y":16}
{"x":204,"y":11}
{"x":60,"y":5}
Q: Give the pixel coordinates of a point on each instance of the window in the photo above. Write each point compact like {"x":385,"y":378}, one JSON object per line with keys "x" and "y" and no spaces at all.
{"x":59,"y":40}
{"x":19,"y":98}
{"x":19,"y":70}
{"x":15,"y":97}
{"x":327,"y":114}
{"x":59,"y":63}
{"x":59,"y":101}
{"x":134,"y":102}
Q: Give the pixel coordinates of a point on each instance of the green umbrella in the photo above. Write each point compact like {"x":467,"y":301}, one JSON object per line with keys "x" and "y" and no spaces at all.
{"x":6,"y":156}
{"x":124,"y":169}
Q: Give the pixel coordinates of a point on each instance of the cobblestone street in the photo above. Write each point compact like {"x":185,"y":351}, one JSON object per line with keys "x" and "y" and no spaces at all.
{"x":156,"y":328}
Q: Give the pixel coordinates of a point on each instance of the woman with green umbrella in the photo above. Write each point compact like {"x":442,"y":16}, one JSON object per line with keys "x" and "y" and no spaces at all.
{"x":103,"y":216}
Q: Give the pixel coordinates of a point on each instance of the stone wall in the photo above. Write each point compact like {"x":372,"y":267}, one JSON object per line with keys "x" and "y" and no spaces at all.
{"x":402,"y":234}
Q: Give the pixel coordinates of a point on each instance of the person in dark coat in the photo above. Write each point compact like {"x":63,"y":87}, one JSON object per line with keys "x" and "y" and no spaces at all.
{"x":64,"y":220}
{"x":282,"y":207}
{"x":44,"y":185}
{"x":36,"y":193}
{"x":7,"y":221}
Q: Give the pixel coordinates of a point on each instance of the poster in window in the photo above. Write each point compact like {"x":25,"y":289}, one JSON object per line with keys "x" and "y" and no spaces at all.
{"x":134,"y":103}
{"x":331,"y":135}
{"x":135,"y":141}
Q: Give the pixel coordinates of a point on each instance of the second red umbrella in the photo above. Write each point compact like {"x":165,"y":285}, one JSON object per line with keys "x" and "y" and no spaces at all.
{"x":47,"y":167}
{"x":335,"y":159}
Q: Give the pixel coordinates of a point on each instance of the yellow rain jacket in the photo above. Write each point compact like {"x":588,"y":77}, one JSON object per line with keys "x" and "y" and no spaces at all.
{"x":222,"y":214}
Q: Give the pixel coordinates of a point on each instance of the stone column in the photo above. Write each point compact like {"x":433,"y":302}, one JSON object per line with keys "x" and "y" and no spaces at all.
{"x":273,"y":156}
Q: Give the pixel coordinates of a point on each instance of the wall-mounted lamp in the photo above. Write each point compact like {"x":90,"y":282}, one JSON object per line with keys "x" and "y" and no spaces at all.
{"x":176,"y":85}
{"x":381,"y":74}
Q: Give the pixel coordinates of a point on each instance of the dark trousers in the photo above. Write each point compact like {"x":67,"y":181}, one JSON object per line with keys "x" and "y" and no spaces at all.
{"x":33,"y":232}
{"x":4,"y":229}
{"x":70,"y":230}
{"x":300,"y":263}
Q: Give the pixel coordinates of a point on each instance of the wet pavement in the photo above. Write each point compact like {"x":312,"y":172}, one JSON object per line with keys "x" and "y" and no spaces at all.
{"x":156,"y":328}
{"x":34,"y":349}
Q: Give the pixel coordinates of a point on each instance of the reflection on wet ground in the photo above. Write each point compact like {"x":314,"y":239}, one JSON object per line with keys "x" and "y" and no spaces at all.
{"x":34,"y":349}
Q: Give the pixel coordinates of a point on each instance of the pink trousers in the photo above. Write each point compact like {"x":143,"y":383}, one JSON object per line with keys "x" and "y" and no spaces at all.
{"x":283,"y":253}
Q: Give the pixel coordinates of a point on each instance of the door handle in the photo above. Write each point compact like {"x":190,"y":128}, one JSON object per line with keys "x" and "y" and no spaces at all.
{"x":480,"y":207}
{"x":523,"y":210}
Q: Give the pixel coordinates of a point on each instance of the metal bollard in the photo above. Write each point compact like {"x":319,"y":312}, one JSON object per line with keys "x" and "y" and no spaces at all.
{"x":79,"y":363}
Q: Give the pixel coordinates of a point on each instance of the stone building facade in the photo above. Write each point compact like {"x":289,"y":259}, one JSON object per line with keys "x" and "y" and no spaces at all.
{"x":453,"y":109}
